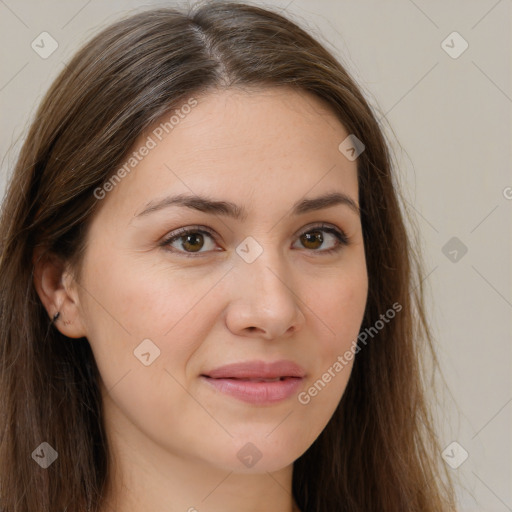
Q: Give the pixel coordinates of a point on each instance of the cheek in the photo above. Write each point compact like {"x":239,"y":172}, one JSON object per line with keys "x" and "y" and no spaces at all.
{"x":339,"y":309}
{"x":131,"y":301}
{"x":340,"y":314}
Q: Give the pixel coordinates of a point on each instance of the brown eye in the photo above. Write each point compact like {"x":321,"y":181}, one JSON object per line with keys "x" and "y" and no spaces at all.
{"x":192,"y":242}
{"x":189,"y":241}
{"x":312,"y":240}
{"x":317,"y":237}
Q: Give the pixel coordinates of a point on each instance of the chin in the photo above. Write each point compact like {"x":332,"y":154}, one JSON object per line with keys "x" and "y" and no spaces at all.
{"x":258,"y":454}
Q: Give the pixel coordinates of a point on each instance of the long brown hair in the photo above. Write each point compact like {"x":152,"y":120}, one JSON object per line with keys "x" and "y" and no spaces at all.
{"x":379,"y":451}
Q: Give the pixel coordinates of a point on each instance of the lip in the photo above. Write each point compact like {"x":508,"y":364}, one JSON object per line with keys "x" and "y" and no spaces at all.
{"x":257,"y":370}
{"x":250,"y":381}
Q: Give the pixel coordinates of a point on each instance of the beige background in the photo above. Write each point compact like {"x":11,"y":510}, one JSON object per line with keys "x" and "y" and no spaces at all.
{"x":452,"y":122}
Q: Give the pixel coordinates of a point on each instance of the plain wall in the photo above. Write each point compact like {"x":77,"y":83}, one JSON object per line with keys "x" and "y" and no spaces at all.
{"x":451,"y":119}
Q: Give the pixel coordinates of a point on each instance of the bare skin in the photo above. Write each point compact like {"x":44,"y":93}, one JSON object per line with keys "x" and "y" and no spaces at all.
{"x":175,"y":440}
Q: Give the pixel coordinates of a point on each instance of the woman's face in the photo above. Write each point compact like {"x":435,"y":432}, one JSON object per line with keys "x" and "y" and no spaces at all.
{"x":161,"y":315}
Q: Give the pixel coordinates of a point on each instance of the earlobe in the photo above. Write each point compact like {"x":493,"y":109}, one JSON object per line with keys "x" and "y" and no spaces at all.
{"x":54,"y":285}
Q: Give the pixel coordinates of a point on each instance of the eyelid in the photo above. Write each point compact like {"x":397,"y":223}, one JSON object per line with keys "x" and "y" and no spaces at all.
{"x":324,"y":226}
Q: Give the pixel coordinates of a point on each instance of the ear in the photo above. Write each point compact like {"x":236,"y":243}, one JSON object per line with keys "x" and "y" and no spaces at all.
{"x":57,"y":290}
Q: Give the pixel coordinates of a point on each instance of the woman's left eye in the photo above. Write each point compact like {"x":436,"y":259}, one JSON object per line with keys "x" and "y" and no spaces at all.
{"x":192,"y":239}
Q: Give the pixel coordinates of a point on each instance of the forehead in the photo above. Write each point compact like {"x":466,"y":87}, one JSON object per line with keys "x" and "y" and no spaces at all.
{"x":238,"y":144}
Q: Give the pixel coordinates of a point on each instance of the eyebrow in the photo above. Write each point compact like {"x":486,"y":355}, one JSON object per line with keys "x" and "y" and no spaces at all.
{"x":229,"y":209}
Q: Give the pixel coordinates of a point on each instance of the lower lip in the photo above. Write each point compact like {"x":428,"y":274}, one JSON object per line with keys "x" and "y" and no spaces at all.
{"x":257,"y":392}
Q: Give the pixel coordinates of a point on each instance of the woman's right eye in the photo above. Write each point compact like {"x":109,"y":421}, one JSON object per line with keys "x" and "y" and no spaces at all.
{"x":192,"y":240}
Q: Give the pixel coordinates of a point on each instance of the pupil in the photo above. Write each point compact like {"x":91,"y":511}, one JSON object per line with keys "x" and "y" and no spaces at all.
{"x":193,"y":237}
{"x":310,"y":237}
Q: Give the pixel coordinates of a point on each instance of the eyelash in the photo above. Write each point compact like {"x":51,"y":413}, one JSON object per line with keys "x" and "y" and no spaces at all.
{"x":342,"y":239}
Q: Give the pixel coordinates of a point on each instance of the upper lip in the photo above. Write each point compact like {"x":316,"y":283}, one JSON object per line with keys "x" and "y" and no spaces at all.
{"x":257,"y":369}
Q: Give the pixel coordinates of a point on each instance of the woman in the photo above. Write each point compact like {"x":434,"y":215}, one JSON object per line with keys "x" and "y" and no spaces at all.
{"x":208,"y":297}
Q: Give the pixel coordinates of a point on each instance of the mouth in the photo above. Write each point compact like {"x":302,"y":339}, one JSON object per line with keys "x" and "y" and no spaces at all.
{"x":257,"y":382}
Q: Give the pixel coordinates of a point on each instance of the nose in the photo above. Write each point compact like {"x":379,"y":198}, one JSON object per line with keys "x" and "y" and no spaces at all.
{"x":265,"y":301}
